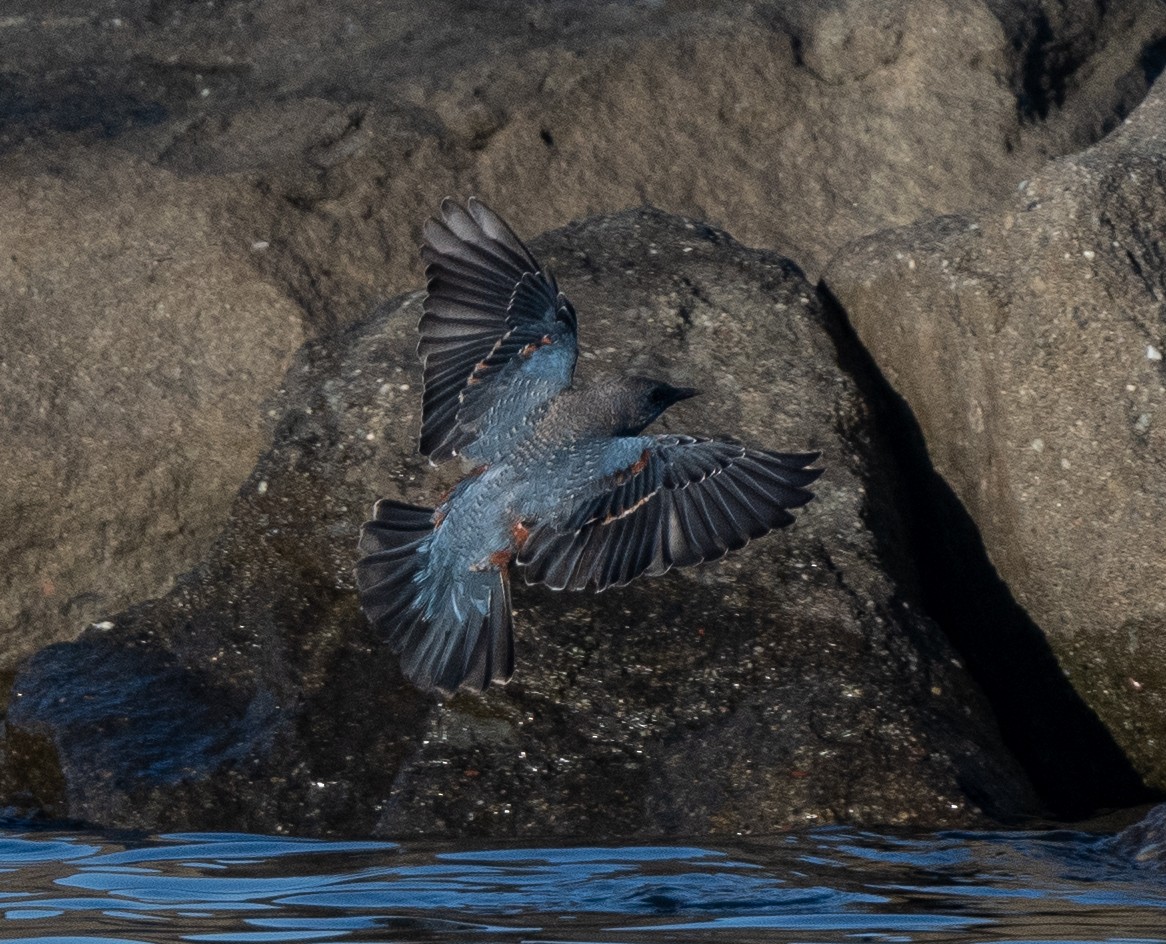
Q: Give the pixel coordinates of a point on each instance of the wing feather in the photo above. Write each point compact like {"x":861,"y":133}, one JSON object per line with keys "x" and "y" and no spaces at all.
{"x":489,"y":315}
{"x":684,"y":501}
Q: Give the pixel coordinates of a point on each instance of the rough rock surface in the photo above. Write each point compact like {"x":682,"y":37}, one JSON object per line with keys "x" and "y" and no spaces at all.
{"x":323,"y":134}
{"x":793,"y":682}
{"x":797,"y":126}
{"x":1028,"y":341}
{"x":138,"y":347}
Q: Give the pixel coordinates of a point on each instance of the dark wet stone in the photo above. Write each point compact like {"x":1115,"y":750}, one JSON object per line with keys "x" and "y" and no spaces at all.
{"x":795,"y":682}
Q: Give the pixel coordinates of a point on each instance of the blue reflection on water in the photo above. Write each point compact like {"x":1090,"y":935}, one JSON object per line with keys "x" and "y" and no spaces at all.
{"x":823,"y":885}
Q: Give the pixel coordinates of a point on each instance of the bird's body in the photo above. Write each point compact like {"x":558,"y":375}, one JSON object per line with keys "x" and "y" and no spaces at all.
{"x":564,"y":485}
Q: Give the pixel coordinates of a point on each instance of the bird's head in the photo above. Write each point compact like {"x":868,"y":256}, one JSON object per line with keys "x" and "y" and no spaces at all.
{"x":639,"y":400}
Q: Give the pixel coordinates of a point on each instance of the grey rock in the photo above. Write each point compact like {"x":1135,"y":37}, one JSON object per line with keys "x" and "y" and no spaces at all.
{"x":795,"y":682}
{"x":139,"y":347}
{"x":1027,"y":341}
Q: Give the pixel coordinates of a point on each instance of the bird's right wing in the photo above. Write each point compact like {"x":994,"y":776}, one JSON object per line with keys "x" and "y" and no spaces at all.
{"x":497,"y":336}
{"x":684,"y":500}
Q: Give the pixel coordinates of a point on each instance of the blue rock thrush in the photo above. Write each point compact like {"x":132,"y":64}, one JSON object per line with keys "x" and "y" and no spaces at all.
{"x":564,"y":483}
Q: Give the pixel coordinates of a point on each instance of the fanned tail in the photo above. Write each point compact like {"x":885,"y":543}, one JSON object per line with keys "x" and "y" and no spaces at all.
{"x":453,"y":631}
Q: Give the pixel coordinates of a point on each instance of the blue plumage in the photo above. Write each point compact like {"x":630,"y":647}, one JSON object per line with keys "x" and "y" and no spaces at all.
{"x":565,"y":484}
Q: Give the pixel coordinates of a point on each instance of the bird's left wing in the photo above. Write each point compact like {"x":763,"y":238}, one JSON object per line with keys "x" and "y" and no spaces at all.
{"x":684,"y":500}
{"x":497,"y":336}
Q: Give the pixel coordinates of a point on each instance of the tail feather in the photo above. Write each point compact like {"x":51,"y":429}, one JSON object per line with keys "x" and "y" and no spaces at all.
{"x":489,"y":654}
{"x":453,"y":630}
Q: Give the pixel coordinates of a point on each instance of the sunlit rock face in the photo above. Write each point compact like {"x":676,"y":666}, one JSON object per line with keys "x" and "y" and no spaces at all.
{"x":1028,"y":341}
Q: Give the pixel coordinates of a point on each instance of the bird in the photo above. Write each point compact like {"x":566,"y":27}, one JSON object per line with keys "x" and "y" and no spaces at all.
{"x":562,"y":482}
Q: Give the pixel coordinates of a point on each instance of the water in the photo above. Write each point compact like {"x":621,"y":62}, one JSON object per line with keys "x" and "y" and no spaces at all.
{"x":820,"y":885}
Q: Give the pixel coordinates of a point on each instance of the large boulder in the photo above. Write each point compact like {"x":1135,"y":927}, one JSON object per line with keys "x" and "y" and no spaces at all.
{"x":139,"y":346}
{"x":1028,"y":341}
{"x":795,"y":682}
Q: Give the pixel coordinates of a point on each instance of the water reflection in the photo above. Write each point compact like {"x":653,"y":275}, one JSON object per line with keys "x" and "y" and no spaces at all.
{"x":824,"y":885}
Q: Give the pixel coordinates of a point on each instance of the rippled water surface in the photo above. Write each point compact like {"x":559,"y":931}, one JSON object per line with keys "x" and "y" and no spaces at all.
{"x":822,"y":885}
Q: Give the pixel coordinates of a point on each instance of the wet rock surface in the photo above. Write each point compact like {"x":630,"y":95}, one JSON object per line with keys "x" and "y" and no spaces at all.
{"x":1028,"y":342}
{"x":290,"y":151}
{"x":795,"y":682}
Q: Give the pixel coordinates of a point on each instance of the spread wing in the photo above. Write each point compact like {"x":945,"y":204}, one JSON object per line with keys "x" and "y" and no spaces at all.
{"x":683,"y":501}
{"x":497,"y":336}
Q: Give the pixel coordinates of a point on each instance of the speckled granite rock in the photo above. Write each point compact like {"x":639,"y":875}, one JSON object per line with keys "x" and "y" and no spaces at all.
{"x":1028,"y":341}
{"x":796,"y":682}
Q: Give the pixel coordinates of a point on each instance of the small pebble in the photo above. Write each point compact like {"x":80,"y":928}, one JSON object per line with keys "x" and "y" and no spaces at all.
{"x":1152,"y":353}
{"x":261,"y":488}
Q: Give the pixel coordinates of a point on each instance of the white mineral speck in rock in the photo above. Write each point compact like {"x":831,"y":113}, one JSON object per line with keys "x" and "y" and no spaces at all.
{"x":104,"y":624}
{"x":261,"y":488}
{"x":1089,"y":254}
{"x":370,"y":436}
{"x":260,"y":244}
{"x":1143,"y":423}
{"x":1152,"y":353}
{"x":1066,"y":464}
{"x":1038,"y":445}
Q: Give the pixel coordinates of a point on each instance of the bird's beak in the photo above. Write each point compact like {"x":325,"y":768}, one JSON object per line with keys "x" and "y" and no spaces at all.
{"x":682,"y":393}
